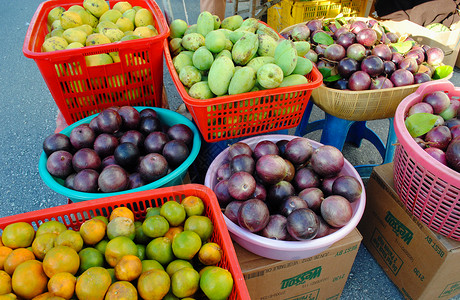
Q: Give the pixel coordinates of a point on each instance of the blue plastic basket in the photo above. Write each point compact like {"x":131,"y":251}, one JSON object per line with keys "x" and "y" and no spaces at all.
{"x":176,"y":177}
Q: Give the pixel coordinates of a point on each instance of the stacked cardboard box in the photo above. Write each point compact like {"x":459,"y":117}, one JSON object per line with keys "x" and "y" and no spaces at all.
{"x":421,"y":263}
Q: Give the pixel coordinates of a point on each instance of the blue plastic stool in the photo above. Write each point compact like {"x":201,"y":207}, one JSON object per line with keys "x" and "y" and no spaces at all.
{"x":336,"y":132}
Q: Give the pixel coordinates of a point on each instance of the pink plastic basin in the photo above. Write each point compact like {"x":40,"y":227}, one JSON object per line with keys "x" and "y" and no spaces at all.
{"x":285,"y":250}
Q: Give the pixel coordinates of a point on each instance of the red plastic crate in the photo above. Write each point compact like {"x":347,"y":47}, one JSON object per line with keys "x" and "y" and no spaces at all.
{"x":80,"y":91}
{"x":428,"y":189}
{"x":73,"y":215}
{"x":233,"y":116}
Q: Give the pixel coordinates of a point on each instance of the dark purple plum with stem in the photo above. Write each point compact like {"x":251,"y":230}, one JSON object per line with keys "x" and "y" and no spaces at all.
{"x":56,"y":142}
{"x":327,"y":161}
{"x":402,"y":77}
{"x":336,"y":211}
{"x":241,"y":185}
{"x":302,"y":224}
{"x":59,"y":164}
{"x":367,"y":37}
{"x":372,"y":65}
{"x":439,"y":137}
{"x":381,"y":82}
{"x":346,"y":39}
{"x":439,"y":100}
{"x":253,"y":215}
{"x":356,"y":51}
{"x":359,"y":81}
{"x":276,"y":228}
{"x":347,"y":66}
{"x":437,"y":154}
{"x":382,"y":51}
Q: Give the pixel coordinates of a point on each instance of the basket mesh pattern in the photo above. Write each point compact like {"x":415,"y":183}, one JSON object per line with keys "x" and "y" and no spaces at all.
{"x":432,"y":200}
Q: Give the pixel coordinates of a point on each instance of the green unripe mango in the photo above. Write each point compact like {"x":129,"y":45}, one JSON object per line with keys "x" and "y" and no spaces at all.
{"x":267,"y":45}
{"x":200,"y":90}
{"x":250,"y":24}
{"x":205,"y":23}
{"x":177,"y":28}
{"x":270,"y":76}
{"x":191,"y":29}
{"x":220,"y":75}
{"x":182,"y":60}
{"x":189,"y":75}
{"x":175,"y":46}
{"x":303,"y":66}
{"x":242,"y":81}
{"x":245,"y":48}
{"x":293,"y":79}
{"x":74,"y":35}
{"x":286,"y":56}
{"x":188,"y":52}
{"x":224,"y":52}
{"x":259,"y":61}
{"x":193,"y":41}
{"x":228,"y":45}
{"x":215,"y":41}
{"x":236,"y":35}
{"x":232,"y":23}
{"x":217,"y":22}
{"x":226,"y":32}
{"x":263,"y":29}
{"x":302,"y":47}
{"x":202,"y":58}
{"x":54,"y":43}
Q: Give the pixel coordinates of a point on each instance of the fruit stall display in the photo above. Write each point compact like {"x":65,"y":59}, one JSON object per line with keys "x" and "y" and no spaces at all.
{"x":120,"y":150}
{"x":239,"y":77}
{"x":367,"y":68}
{"x":95,"y":54}
{"x":168,"y":242}
{"x":286,"y":197}
{"x":427,"y":157}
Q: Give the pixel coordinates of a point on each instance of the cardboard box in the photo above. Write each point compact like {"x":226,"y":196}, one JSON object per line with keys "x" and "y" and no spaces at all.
{"x":422,"y":264}
{"x":448,"y":41}
{"x":322,"y":276}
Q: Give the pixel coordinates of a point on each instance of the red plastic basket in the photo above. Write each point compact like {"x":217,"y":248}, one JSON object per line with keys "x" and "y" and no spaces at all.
{"x":428,"y":189}
{"x":80,"y":91}
{"x":252,"y":113}
{"x":73,"y":215}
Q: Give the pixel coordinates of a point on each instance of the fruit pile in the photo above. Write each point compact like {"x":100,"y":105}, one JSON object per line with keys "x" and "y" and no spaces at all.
{"x":362,"y":54}
{"x":435,"y":125}
{"x":167,"y":254}
{"x":94,"y":23}
{"x":286,"y":190}
{"x":233,"y":56}
{"x":120,"y":149}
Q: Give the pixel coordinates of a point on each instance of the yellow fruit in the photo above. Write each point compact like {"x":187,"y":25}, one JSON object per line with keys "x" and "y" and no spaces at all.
{"x":51,"y":226}
{"x":128,"y":268}
{"x":4,"y":252}
{"x":185,"y":282}
{"x":74,"y":35}
{"x":210,"y":254}
{"x":70,"y":19}
{"x":114,"y":34}
{"x":57,"y":32}
{"x":176,"y":265}
{"x":186,"y":244}
{"x":104,"y":24}
{"x":93,"y":231}
{"x":15,"y":258}
{"x":121,"y":290}
{"x":61,"y":259}
{"x":18,"y":235}
{"x":93,"y":284}
{"x":121,"y":211}
{"x":193,"y":205}
{"x":86,"y":29}
{"x":74,"y":45}
{"x":96,"y":7}
{"x":97,"y":39}
{"x":62,"y":285}
{"x":76,"y":8}
{"x":54,"y":43}
{"x":173,"y":212}
{"x":144,"y":32}
{"x":55,"y":14}
{"x":143,"y":17}
{"x":125,"y":24}
{"x":130,"y":14}
{"x":98,"y":59}
{"x":5,"y":283}
{"x":56,"y":25}
{"x":121,"y":226}
{"x":71,"y":239}
{"x":216,"y":283}
{"x":117,"y":248}
{"x":122,"y":6}
{"x":111,"y":15}
{"x":29,"y":279}
{"x":153,"y":284}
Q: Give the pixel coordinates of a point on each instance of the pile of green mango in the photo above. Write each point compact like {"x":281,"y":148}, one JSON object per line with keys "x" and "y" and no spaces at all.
{"x":216,"y":58}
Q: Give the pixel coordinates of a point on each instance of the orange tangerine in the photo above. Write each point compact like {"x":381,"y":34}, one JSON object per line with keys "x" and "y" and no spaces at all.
{"x":128,"y":268}
{"x":93,"y":231}
{"x":122,"y":211}
{"x":16,"y":257}
{"x":62,"y":285}
{"x":4,"y":252}
{"x":5,"y":283}
{"x":29,"y":279}
{"x":18,"y":235}
{"x":61,"y":259}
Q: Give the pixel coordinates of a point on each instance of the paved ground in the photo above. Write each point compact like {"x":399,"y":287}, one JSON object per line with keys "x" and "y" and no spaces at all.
{"x":28,"y":115}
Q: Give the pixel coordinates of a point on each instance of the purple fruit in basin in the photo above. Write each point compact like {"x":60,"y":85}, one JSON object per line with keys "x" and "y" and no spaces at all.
{"x":105,"y":144}
{"x":388,"y":67}
{"x":276,"y":193}
{"x":417,"y":54}
{"x":130,"y":117}
{"x":242,"y":162}
{"x":455,"y":131}
{"x":327,"y":161}
{"x":56,"y":142}
{"x":324,"y":228}
{"x":452,"y":122}
{"x":127,"y":155}
{"x":320,"y":49}
{"x":69,"y":180}
{"x":175,"y":152}
{"x":347,"y":66}
{"x":133,"y":136}
{"x":359,"y":81}
{"x":305,"y":178}
{"x":341,"y":84}
{"x":302,"y":224}
{"x":397,"y":57}
{"x":152,"y":167}
{"x":358,"y":26}
{"x":260,"y":192}
{"x":437,"y":154}
{"x":326,"y":185}
{"x":348,"y":187}
{"x":453,"y":154}
{"x":155,"y":142}
{"x":452,"y":110}
{"x":149,"y":124}
{"x":372,"y":65}
{"x":298,"y":150}
{"x":253,"y":215}
{"x":300,"y":32}
{"x":86,"y":158}
{"x":223,"y":172}
{"x":291,"y":203}
{"x":238,"y":148}
{"x":421,"y":78}
{"x":86,"y":181}
{"x":113,"y":179}
{"x":434,"y":56}
{"x":59,"y":164}
{"x":222,"y":194}
{"x":148,"y":112}
{"x":313,"y":197}
{"x":181,"y":132}
{"x":134,"y":181}
{"x":356,"y":51}
{"x":381,"y":82}
{"x":334,"y":52}
{"x":314,"y":25}
{"x":341,"y":31}
{"x":409,"y":64}
{"x":402,"y":77}
{"x":109,"y":121}
{"x":438,"y":100}
{"x":282,"y":146}
{"x":271,"y":168}
{"x":382,"y":51}
{"x":393,"y":37}
{"x":336,"y":211}
{"x":82,"y":136}
{"x":367,"y":37}
{"x":420,"y":107}
{"x":290,"y":173}
{"x":241,"y":185}
{"x":276,"y":228}
{"x":231,"y":211}
{"x":265,"y":147}
{"x":346,"y":39}
{"x":439,"y":137}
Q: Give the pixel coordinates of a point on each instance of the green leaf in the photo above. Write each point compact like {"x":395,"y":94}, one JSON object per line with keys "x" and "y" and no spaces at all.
{"x":402,"y":47}
{"x":337,"y":24}
{"x":419,"y":124}
{"x":323,"y":38}
{"x":442,"y":72}
{"x":332,"y":78}
{"x":325,"y":72}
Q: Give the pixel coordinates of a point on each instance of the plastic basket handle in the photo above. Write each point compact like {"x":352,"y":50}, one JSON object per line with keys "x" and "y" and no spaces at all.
{"x":433,"y":86}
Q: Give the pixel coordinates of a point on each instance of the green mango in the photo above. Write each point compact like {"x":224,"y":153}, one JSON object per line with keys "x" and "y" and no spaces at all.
{"x":205,"y":23}
{"x":259,"y":61}
{"x":192,"y":41}
{"x":242,"y":81}
{"x":189,"y":75}
{"x":293,"y":79}
{"x":200,"y":90}
{"x":245,"y":48}
{"x":232,"y":23}
{"x":202,"y":58}
{"x":220,"y":75}
{"x":303,"y":66}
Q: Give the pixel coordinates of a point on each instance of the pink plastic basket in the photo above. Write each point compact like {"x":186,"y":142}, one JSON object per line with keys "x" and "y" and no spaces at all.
{"x":428,"y":189}
{"x":286,"y":250}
